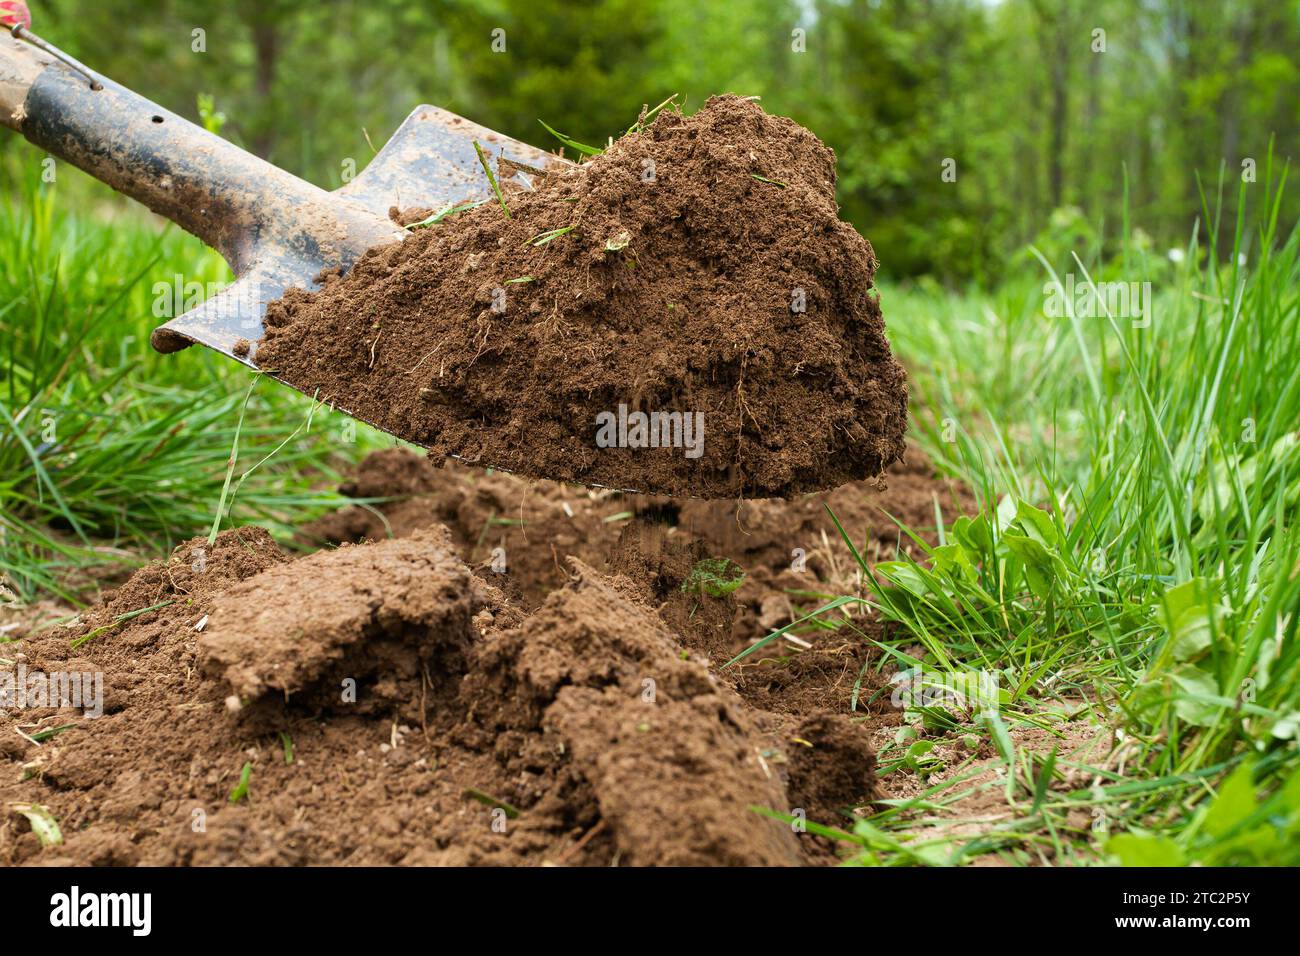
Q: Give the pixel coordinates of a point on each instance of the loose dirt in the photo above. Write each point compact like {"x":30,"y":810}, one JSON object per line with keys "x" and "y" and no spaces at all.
{"x":529,"y":527}
{"x":391,"y":703}
{"x":380,"y":704}
{"x":697,"y":268}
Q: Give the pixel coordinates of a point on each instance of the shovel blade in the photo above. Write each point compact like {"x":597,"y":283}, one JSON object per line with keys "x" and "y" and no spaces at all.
{"x":430,"y":162}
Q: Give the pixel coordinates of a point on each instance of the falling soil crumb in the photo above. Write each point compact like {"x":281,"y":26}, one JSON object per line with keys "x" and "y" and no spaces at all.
{"x":832,"y":767}
{"x":698,"y":268}
{"x":409,"y":217}
{"x":651,"y":743}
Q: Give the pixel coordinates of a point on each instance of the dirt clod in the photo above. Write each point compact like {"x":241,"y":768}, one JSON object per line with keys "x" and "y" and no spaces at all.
{"x":832,"y":767}
{"x":663,"y":748}
{"x":282,"y":631}
{"x":585,"y":697}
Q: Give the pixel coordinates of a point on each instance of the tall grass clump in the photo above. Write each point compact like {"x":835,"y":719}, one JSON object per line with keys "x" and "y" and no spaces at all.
{"x":110,"y":452}
{"x":1134,"y":564}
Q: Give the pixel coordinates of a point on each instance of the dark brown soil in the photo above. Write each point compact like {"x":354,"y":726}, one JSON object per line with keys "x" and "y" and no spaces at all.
{"x":471,"y":734}
{"x":832,"y":767}
{"x":726,"y":287}
{"x":433,"y":719}
{"x":534,"y":525}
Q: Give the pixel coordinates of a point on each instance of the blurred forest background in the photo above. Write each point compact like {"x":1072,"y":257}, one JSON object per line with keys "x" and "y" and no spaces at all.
{"x":1048,"y":113}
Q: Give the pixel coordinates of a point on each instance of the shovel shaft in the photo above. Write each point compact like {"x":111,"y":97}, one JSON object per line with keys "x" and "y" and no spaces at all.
{"x":230,"y":199}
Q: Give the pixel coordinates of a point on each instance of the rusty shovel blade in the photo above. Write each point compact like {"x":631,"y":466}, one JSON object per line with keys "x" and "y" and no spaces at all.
{"x":430,"y":162}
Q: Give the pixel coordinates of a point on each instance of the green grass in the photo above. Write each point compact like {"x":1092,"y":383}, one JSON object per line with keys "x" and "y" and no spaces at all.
{"x":110,"y":452}
{"x":492,"y":180}
{"x":240,"y":791}
{"x":1134,"y":563}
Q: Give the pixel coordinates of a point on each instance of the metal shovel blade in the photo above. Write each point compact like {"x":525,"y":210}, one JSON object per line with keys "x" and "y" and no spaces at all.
{"x":429,"y":162}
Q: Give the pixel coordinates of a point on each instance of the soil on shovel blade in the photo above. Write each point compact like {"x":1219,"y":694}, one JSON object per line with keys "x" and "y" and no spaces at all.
{"x":696,"y":273}
{"x":390,"y":702}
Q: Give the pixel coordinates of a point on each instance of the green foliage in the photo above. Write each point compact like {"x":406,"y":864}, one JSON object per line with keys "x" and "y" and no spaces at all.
{"x":1240,"y":826}
{"x":211,"y":118}
{"x":1132,"y":560}
{"x":716,"y":577}
{"x":110,"y":452}
{"x":488,"y":800}
{"x":1036,"y":118}
{"x":447,"y":211}
{"x":543,"y":238}
{"x":920,"y":757}
{"x":492,"y":180}
{"x":581,"y":149}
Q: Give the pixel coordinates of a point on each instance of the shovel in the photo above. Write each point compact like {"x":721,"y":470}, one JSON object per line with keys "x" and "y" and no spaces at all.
{"x":275,"y":230}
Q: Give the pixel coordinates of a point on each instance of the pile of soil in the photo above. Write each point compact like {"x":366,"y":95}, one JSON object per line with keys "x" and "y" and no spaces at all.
{"x":381,"y":704}
{"x":698,"y":266}
{"x":530,"y":527}
{"x":392,"y":703}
